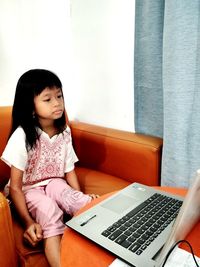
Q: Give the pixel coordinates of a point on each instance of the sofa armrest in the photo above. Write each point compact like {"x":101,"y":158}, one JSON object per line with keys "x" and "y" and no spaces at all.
{"x":130,"y":156}
{"x":7,"y":249}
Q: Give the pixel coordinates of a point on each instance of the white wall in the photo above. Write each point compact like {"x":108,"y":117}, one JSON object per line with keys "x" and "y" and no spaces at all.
{"x":33,"y":34}
{"x":94,"y":61}
{"x":103,"y":42}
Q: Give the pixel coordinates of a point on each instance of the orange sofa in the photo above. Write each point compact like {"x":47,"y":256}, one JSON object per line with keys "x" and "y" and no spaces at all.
{"x":109,"y":160}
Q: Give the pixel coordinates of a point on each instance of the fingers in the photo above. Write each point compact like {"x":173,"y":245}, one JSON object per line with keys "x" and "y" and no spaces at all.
{"x":29,"y":240}
{"x":38,"y":231}
{"x":33,"y":234}
{"x":93,"y":196}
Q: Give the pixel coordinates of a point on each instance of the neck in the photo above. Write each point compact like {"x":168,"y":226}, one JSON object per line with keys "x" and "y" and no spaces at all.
{"x":49,"y":128}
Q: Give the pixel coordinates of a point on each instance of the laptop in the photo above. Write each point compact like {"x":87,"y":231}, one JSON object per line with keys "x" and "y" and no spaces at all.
{"x":139,"y":224}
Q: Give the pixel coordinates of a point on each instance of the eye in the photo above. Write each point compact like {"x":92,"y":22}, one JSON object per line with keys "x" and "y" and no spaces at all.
{"x":47,"y":100}
{"x":60,"y":96}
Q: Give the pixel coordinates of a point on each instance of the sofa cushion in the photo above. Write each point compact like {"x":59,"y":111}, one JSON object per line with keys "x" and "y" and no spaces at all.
{"x":97,"y":182}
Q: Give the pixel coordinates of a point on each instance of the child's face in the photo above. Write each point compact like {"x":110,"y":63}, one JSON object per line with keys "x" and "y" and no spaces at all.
{"x":49,"y":105}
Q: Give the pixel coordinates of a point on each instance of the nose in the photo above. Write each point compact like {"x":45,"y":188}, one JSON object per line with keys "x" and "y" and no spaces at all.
{"x":56,"y":101}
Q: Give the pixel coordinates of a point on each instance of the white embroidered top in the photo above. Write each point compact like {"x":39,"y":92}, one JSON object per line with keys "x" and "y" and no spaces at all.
{"x":51,"y":158}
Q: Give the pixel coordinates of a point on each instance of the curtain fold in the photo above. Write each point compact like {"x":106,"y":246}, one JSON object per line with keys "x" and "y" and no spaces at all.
{"x":172,"y":84}
{"x":148,"y":67}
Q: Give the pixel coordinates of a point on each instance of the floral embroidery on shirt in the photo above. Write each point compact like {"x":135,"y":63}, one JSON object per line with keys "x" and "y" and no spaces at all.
{"x":47,"y":160}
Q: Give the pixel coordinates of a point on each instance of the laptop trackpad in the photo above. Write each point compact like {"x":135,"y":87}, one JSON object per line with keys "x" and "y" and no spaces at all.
{"x":119,"y":203}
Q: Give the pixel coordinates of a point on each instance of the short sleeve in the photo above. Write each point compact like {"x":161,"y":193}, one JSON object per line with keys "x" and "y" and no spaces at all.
{"x":71,"y":158}
{"x":15,"y":152}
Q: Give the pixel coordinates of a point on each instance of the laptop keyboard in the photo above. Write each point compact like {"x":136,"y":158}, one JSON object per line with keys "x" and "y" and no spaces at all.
{"x":139,"y":227}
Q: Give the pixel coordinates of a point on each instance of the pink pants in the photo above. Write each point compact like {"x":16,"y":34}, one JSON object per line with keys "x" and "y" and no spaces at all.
{"x":47,"y":204}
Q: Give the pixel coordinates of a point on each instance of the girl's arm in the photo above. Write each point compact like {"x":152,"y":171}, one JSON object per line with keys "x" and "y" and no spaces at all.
{"x":72,"y":180}
{"x":33,"y":232}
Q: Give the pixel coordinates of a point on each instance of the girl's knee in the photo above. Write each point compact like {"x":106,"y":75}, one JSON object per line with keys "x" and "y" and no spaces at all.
{"x":55,"y":188}
{"x":47,"y":213}
{"x":73,"y":200}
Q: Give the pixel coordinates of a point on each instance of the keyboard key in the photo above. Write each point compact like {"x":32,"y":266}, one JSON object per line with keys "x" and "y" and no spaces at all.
{"x":114,"y":235}
{"x":120,"y":239}
{"x":126,"y":243}
{"x":134,"y":247}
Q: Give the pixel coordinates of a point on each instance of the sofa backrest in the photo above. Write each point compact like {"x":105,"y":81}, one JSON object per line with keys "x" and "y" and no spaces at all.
{"x":5,"y":126}
{"x":131,"y":156}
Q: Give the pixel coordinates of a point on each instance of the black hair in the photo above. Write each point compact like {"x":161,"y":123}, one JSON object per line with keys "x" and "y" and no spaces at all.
{"x":29,"y":85}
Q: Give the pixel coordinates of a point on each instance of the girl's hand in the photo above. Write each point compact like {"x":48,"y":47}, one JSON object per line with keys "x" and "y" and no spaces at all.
{"x":33,"y":234}
{"x":93,"y":196}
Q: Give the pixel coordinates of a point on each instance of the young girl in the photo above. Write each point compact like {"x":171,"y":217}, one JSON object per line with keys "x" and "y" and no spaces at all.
{"x":43,"y":184}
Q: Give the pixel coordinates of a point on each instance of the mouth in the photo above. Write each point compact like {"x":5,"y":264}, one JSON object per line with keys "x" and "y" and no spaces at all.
{"x":58,"y":112}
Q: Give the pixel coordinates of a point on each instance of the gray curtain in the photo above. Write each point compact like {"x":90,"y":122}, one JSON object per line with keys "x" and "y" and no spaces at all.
{"x":167,"y":83}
